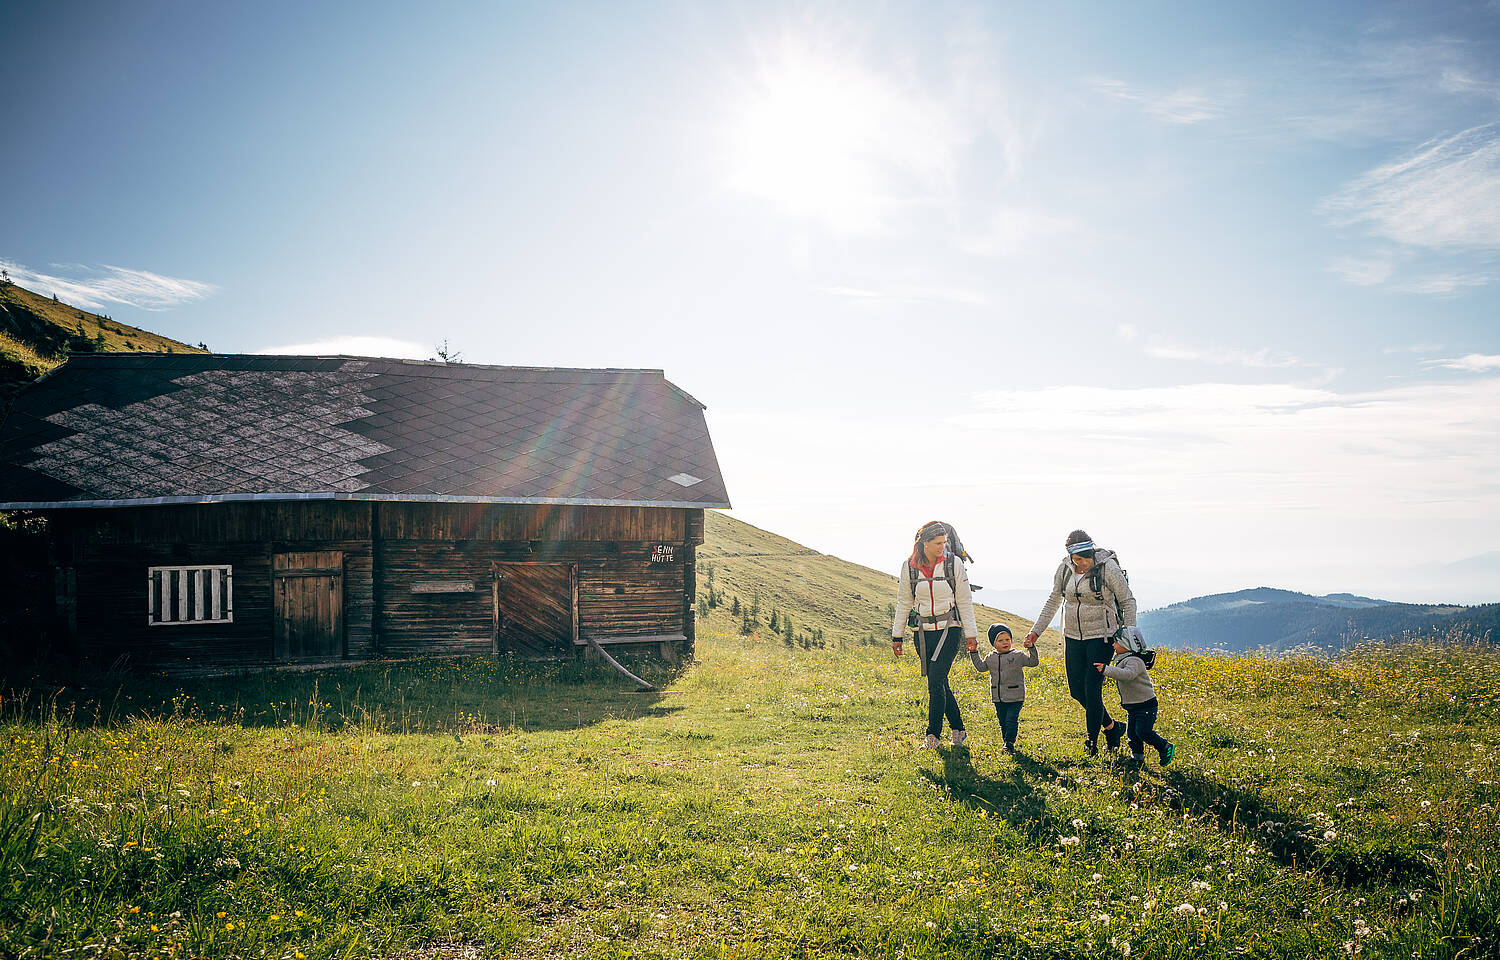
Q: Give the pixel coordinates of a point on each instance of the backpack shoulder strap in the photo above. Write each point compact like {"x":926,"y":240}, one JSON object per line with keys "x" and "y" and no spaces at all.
{"x":948,"y":574}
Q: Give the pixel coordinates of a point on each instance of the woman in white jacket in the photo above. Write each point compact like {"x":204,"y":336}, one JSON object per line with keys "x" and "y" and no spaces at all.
{"x":934,"y":583}
{"x":1097,"y":602}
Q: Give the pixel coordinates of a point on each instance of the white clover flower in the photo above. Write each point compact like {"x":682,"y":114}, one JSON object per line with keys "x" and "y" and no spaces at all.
{"x":489,"y":783}
{"x":416,"y":783}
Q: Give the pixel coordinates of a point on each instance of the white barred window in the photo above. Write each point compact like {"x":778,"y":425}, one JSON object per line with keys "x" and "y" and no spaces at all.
{"x":199,"y":594}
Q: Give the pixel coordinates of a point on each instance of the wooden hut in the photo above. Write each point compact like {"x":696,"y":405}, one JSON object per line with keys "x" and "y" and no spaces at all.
{"x":220,"y":510}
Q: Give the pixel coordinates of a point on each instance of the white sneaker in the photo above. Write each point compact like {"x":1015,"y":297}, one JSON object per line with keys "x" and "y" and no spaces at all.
{"x":930,"y":743}
{"x":960,"y":737}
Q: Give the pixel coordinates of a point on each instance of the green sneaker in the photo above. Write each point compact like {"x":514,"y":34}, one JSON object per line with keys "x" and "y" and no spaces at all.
{"x":1166,"y":755}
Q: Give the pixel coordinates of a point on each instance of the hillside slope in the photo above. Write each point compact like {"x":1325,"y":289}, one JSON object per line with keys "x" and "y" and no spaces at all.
{"x":37,"y":333}
{"x":851,"y":604}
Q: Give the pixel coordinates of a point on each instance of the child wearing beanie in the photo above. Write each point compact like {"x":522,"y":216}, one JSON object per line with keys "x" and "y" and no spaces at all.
{"x":1007,"y":679}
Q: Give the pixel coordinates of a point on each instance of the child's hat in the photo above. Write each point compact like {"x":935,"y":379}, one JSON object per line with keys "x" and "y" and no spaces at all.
{"x":1132,"y":639}
{"x":998,"y":628}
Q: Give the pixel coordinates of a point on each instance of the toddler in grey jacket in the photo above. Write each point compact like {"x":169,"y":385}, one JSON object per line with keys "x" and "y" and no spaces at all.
{"x":1137,"y":696}
{"x":1007,"y":679}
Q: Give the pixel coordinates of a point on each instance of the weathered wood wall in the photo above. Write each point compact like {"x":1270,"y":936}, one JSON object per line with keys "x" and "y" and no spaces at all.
{"x":111,"y":550}
{"x":404,"y":567}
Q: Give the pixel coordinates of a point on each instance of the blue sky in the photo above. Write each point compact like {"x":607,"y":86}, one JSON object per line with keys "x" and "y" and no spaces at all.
{"x":1217,"y":282}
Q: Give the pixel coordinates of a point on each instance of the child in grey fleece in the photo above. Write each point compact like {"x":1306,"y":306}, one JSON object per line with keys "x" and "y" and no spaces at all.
{"x":1007,"y":681}
{"x":1137,"y":696}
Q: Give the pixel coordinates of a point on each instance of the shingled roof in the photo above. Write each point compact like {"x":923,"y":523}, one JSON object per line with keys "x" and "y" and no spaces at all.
{"x":118,"y":429}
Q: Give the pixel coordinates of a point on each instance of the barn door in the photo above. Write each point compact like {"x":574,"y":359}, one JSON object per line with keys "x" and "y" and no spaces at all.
{"x":308,"y":593}
{"x":534,"y":605}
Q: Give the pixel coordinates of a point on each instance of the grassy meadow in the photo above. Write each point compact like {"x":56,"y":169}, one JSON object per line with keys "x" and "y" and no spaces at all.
{"x":767,"y":802}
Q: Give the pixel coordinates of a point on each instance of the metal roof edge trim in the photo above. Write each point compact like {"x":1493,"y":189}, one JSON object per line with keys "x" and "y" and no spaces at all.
{"x":374,"y":497}
{"x":111,"y":356}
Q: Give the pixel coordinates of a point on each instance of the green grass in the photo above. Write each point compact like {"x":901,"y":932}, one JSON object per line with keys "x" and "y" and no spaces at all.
{"x":767,"y":803}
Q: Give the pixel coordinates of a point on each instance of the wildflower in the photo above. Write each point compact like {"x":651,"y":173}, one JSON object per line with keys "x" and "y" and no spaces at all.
{"x":1185,"y":909}
{"x":1330,"y":834}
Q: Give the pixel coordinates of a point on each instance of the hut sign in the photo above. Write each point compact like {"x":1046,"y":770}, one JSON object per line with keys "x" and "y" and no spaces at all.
{"x":661,"y":553}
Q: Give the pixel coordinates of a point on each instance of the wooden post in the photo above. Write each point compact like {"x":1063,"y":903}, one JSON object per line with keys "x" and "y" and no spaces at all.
{"x":573,"y":575}
{"x":494,"y":609}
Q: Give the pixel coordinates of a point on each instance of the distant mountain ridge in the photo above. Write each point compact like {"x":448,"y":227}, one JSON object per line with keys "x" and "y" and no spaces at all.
{"x":1269,"y":619}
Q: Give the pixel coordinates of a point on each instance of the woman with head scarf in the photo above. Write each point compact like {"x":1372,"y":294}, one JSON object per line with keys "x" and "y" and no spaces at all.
{"x":933,"y":583}
{"x":1096,"y":602}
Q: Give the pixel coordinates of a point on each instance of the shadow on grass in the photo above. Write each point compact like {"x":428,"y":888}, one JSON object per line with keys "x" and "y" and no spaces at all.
{"x":1380,"y":860}
{"x":1015,"y":797}
{"x":423,"y":696}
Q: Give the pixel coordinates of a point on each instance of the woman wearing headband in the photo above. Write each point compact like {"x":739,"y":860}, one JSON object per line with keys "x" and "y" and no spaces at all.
{"x":933,"y":582}
{"x":1098,"y":602}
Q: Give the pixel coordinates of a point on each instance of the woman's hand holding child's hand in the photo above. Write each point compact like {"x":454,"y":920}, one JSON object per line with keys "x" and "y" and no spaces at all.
{"x":973,"y":644}
{"x":1099,"y":667}
{"x":1030,"y":641}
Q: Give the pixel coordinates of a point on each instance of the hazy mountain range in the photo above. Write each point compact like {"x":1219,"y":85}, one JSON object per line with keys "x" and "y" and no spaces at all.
{"x":1264,"y":618}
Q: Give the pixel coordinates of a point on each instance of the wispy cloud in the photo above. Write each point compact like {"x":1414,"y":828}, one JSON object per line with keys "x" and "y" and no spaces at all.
{"x":1362,"y":272}
{"x":1163,"y":349}
{"x":911,"y":295}
{"x":1183,"y":106}
{"x":1444,"y":285}
{"x":1443,"y":195}
{"x":355,"y":346}
{"x":1277,"y":470}
{"x":95,"y":288}
{"x":1015,"y":230}
{"x":1471,"y":363}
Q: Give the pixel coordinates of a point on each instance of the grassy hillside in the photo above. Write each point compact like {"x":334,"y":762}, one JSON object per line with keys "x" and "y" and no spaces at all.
{"x":851,"y":604}
{"x":769,"y":801}
{"x":37,"y":333}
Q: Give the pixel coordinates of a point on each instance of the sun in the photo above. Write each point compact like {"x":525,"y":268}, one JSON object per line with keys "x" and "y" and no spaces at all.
{"x":809,"y":139}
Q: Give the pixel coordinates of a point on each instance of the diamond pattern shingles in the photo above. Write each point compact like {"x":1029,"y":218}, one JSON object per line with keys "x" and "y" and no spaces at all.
{"x":118,"y":428}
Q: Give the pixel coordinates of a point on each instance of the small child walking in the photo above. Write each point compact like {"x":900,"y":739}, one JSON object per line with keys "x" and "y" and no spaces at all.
{"x":1138,"y":697}
{"x":1007,"y":681}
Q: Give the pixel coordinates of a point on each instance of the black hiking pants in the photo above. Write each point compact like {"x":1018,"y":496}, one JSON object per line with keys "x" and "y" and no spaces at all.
{"x":940,"y":700}
{"x":1086,"y":684}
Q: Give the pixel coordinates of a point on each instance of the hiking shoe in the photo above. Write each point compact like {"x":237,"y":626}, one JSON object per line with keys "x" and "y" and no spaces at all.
{"x":1090,"y":748}
{"x":1138,"y":759}
{"x":1166,"y":754}
{"x":930,"y":743}
{"x":1010,"y":748}
{"x":1113,"y":735}
{"x":960,"y":737}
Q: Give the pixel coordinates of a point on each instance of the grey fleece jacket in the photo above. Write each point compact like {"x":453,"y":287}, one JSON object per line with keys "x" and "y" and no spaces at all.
{"x":1085,"y":616}
{"x":1133,"y":680}
{"x":1007,"y":678}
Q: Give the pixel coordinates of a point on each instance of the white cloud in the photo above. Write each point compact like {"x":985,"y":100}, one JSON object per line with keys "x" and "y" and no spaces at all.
{"x":1442,"y":285}
{"x":1443,"y":195}
{"x":1471,"y":363}
{"x":95,"y":288}
{"x":911,"y":294}
{"x":1268,"y":474}
{"x":1265,"y":357}
{"x":1015,"y":230}
{"x":1184,"y":106}
{"x":355,"y":346}
{"x":1364,"y":273}
{"x":1127,"y":331}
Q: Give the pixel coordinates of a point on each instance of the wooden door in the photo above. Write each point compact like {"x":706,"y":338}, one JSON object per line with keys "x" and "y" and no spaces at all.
{"x":535,"y":605}
{"x":308,"y":591}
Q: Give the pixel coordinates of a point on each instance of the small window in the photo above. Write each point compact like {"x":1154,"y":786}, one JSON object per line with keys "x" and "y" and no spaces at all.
{"x":199,"y":594}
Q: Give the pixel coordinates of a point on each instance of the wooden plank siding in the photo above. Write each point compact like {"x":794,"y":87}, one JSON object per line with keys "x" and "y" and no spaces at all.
{"x":387,"y":548}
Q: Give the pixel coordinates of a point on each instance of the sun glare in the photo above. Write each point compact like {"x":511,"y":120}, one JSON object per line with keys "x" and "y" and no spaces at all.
{"x":809,"y":141}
